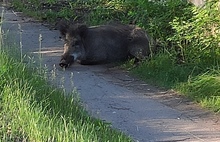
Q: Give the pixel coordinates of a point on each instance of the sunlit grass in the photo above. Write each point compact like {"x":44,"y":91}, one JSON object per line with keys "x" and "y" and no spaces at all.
{"x":204,"y":88}
{"x":32,"y":110}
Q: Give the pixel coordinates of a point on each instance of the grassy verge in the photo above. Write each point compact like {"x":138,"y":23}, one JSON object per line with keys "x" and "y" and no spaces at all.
{"x":199,"y":84}
{"x":31,"y":110}
{"x":162,"y":71}
{"x":189,"y":36}
{"x":203,"y":88}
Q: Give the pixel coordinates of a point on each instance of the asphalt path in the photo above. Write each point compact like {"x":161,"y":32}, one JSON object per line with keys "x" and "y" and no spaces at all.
{"x":142,"y":111}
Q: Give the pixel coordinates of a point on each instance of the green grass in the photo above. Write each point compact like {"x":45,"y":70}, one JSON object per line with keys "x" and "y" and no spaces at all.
{"x":32,"y":110}
{"x":163,"y":71}
{"x":203,"y":88}
{"x":180,"y":28}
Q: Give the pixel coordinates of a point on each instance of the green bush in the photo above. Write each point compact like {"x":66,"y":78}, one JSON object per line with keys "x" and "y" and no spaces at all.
{"x":197,"y":39}
{"x":154,"y":16}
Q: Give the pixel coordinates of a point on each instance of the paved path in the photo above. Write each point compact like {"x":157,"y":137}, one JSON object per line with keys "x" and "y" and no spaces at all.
{"x":145,"y":113}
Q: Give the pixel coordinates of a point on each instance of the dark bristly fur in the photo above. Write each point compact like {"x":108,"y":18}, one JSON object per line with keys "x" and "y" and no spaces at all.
{"x":103,"y":44}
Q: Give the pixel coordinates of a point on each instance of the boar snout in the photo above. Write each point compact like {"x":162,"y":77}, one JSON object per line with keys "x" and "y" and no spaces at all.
{"x":63,"y":64}
{"x":66,"y":61}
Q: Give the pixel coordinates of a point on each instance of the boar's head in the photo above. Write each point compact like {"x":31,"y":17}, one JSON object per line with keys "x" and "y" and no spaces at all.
{"x":72,"y":36}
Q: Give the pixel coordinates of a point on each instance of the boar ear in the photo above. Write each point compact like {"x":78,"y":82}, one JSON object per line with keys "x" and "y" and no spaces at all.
{"x":82,"y":30}
{"x":63,"y":30}
{"x":63,"y":26}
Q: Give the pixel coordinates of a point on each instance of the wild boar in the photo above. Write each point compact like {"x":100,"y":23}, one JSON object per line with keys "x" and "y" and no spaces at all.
{"x":103,"y":44}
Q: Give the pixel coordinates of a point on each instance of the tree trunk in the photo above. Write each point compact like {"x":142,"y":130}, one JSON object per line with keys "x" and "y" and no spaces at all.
{"x":197,"y":2}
